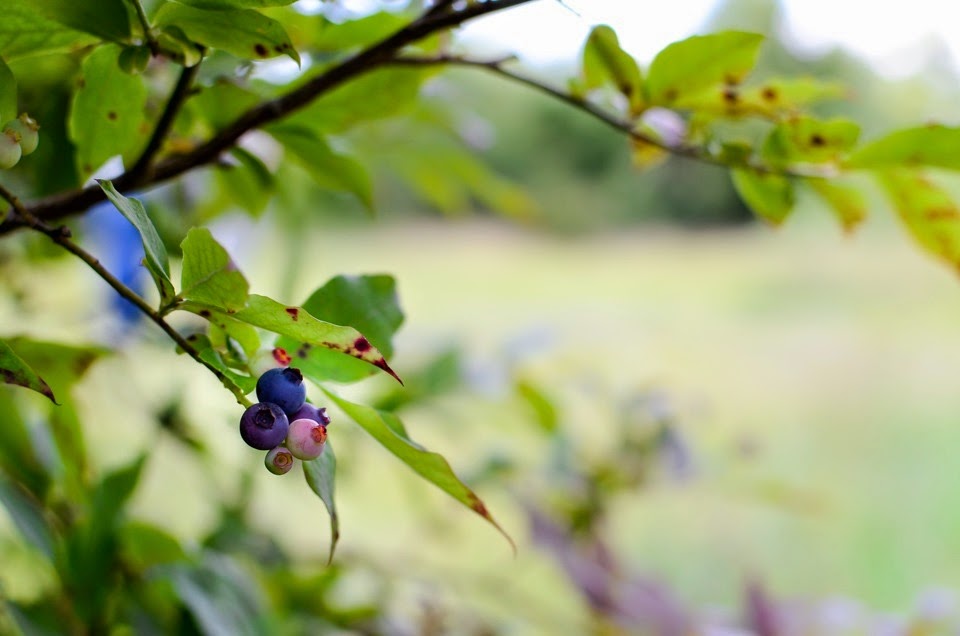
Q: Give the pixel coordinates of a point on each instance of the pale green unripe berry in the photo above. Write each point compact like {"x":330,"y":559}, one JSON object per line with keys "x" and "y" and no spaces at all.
{"x":10,"y":151}
{"x":28,"y":129}
{"x":134,"y":59}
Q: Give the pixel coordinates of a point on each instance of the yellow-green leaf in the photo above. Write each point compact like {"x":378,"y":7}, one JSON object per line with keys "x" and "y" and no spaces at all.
{"x":701,"y":61}
{"x":845,"y":201}
{"x":14,"y":370}
{"x":605,"y":62}
{"x":928,"y":211}
{"x":8,"y":93}
{"x":810,"y":140}
{"x":770,"y":196}
{"x":934,"y":146}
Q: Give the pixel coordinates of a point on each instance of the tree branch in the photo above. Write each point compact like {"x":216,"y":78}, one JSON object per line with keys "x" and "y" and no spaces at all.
{"x":62,"y":237}
{"x":624,"y":126}
{"x":377,"y":55}
{"x":179,"y":95}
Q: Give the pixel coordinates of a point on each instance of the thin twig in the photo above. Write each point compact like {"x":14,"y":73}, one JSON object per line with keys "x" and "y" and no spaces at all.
{"x":627,"y":127}
{"x":145,"y":24}
{"x":179,"y":95}
{"x":62,"y":237}
{"x":376,"y":56}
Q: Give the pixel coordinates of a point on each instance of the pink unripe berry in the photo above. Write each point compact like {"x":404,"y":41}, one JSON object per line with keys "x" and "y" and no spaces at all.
{"x":306,"y":438}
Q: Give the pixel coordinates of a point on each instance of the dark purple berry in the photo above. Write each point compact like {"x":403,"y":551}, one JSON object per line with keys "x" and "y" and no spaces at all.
{"x":283,"y":387}
{"x":264,"y":426}
{"x":310,"y":412}
{"x":279,"y":460}
{"x":306,"y":438}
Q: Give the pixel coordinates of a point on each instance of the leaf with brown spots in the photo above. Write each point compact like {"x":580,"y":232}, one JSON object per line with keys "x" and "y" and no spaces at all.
{"x":321,"y":474}
{"x":845,"y":201}
{"x":928,"y":211}
{"x":245,"y":33}
{"x":388,"y":429}
{"x":107,"y":112}
{"x":209,"y":275}
{"x":15,"y":371}
{"x":934,"y":146}
{"x":304,"y":328}
{"x":701,"y":61}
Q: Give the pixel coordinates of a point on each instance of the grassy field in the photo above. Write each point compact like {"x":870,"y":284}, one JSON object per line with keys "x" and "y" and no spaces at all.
{"x":816,"y":378}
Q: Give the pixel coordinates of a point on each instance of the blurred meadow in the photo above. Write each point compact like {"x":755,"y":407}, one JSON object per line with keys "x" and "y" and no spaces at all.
{"x":783,"y":402}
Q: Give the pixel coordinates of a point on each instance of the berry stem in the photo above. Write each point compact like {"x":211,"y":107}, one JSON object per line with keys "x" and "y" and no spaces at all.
{"x":61,"y":236}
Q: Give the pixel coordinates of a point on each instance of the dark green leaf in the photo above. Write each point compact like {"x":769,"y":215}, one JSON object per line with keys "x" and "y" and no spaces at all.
{"x":297,"y":323}
{"x":23,"y":32}
{"x":387,"y":429}
{"x":332,"y":37}
{"x":244,"y":33}
{"x":8,"y":93}
{"x":701,"y":61}
{"x":770,"y":196}
{"x":222,"y":103}
{"x":107,"y":19}
{"x":27,"y":515}
{"x":220,"y":596}
{"x":209,"y":275}
{"x":18,"y":457}
{"x":847,"y":203}
{"x":321,"y":474}
{"x":15,"y":371}
{"x":208,"y":354}
{"x":145,"y":545}
{"x":174,"y":43}
{"x":107,"y":115}
{"x":157,"y":261}
{"x":605,"y":62}
{"x":934,"y":146}
{"x":329,"y":169}
{"x":928,"y":211}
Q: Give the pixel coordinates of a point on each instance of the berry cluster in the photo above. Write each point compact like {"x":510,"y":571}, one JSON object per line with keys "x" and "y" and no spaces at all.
{"x":20,"y":137}
{"x":282,"y":422}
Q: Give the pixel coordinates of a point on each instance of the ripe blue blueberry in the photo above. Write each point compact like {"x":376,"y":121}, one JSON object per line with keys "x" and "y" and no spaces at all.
{"x":306,"y":438}
{"x":264,"y":426}
{"x":283,"y":387}
{"x":279,"y":460}
{"x":310,"y":412}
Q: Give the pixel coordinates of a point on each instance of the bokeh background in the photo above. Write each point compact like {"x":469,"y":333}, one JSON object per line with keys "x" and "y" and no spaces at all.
{"x":674,"y":410}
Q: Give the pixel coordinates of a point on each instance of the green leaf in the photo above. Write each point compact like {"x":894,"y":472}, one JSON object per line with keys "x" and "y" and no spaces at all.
{"x":810,"y":140}
{"x":332,"y":37}
{"x":770,"y":196}
{"x":545,"y":413}
{"x":15,"y":371}
{"x":220,"y":595}
{"x":8,"y":93}
{"x":107,"y":114}
{"x":300,"y":325}
{"x":847,"y":203}
{"x":18,"y":457}
{"x":145,"y":545}
{"x":605,"y":62}
{"x":222,"y":103}
{"x":23,"y":32}
{"x":928,"y":211}
{"x":60,"y":364}
{"x":388,"y":429}
{"x":248,"y":182}
{"x":208,"y":354}
{"x":157,"y":261}
{"x":369,"y":304}
{"x":327,"y":168}
{"x":701,"y":61}
{"x":320,"y":474}
{"x":209,"y":275}
{"x":934,"y":146}
{"x":375,"y":95}
{"x":174,"y":43}
{"x":244,"y":33}
{"x":215,"y":5}
{"x":107,"y":19}
{"x":27,"y":515}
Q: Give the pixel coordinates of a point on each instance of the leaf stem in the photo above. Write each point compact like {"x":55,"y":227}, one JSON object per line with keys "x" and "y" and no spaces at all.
{"x":62,"y":237}
{"x":690,"y":151}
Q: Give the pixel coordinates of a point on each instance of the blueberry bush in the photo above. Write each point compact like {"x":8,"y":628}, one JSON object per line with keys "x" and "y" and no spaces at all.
{"x":157,"y":116}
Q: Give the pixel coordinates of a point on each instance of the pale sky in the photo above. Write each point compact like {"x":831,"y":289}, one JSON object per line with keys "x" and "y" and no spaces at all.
{"x":887,"y":34}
